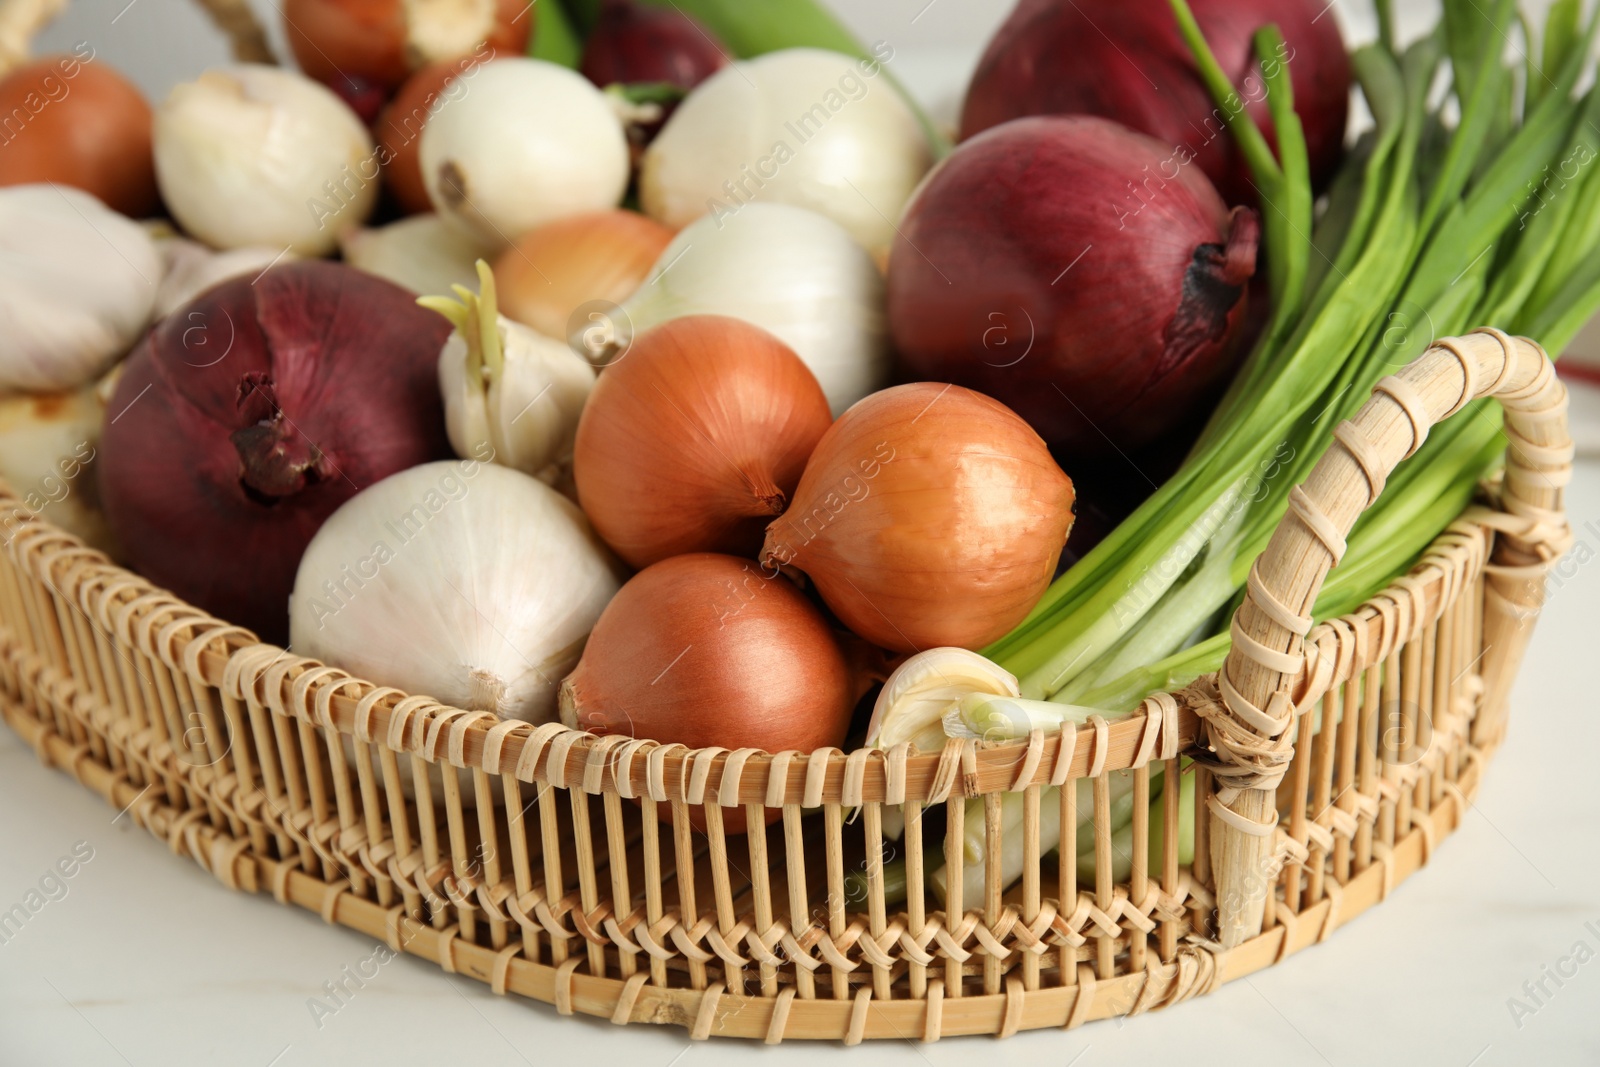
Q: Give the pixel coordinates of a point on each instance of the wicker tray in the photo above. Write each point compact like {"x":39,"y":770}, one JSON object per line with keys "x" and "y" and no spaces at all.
{"x":1329,"y":759}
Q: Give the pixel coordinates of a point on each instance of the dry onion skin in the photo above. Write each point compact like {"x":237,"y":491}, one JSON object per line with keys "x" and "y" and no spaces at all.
{"x":705,"y":649}
{"x":554,"y":270}
{"x":928,"y":515}
{"x":695,"y":439}
{"x":81,"y":124}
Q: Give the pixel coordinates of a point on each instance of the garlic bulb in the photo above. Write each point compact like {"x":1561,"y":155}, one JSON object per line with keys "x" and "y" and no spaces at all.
{"x":790,"y":271}
{"x":421,"y":253}
{"x":531,"y":142}
{"x":462,"y":580}
{"x":801,"y":126}
{"x":510,"y":393}
{"x":256,"y":155}
{"x":190,"y":268}
{"x":47,"y":447}
{"x":77,"y":285}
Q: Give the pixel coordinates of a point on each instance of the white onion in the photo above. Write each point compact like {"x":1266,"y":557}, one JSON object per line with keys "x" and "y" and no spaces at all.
{"x":256,"y":155}
{"x":531,"y":142}
{"x":77,"y":285}
{"x":790,"y":271}
{"x":461,"y":580}
{"x":801,"y":126}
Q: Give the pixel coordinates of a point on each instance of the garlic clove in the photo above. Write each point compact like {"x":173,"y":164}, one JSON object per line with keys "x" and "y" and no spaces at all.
{"x":255,"y":155}
{"x":913,"y":702}
{"x":536,"y":403}
{"x":511,"y":395}
{"x":466,"y":402}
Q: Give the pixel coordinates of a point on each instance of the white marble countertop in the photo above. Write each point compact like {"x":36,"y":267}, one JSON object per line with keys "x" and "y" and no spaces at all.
{"x":148,"y":960}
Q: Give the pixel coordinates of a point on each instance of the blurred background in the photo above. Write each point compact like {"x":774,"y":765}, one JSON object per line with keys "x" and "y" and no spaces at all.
{"x":161,"y":42}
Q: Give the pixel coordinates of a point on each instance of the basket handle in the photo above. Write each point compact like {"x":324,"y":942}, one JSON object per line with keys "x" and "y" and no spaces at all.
{"x":23,"y":20}
{"x":1250,"y":742}
{"x":246,"y":36}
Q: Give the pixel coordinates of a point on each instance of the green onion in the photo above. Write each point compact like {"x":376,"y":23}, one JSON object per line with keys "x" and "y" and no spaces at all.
{"x":856,"y":885}
{"x":1429,"y":231}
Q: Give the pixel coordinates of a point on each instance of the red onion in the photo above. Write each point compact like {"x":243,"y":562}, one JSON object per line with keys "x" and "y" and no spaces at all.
{"x":632,"y":43}
{"x":1125,"y":61}
{"x":245,"y":419}
{"x":1052,"y":265}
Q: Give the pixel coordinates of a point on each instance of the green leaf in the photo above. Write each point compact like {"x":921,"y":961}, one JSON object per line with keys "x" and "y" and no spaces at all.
{"x":582,"y":15}
{"x":1561,"y":37}
{"x":554,"y":39}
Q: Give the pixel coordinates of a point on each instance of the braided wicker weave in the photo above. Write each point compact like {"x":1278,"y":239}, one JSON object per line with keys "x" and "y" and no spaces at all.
{"x":563,"y":866}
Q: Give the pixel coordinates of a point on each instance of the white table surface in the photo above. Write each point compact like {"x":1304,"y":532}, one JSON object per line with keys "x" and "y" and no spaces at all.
{"x":148,"y":960}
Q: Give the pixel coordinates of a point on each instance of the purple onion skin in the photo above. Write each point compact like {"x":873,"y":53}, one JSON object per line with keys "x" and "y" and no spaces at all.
{"x":1049,"y":264}
{"x":245,"y":419}
{"x":363,"y":97}
{"x":632,"y":44}
{"x":1052,"y":57}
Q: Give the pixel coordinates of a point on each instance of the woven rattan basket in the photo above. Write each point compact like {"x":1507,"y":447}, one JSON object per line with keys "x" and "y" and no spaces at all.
{"x":1329,"y":759}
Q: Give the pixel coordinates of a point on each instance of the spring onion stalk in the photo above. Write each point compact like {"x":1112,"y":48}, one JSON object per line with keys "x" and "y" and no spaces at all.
{"x":554,"y":39}
{"x":988,"y":717}
{"x":973,"y":853}
{"x":857,"y":886}
{"x":1431,"y":229}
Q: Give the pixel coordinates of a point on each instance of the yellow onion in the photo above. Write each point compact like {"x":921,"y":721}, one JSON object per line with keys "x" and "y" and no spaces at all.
{"x":694,"y":440}
{"x":553,"y":270}
{"x":928,"y":515}
{"x":69,"y":120}
{"x":704,"y":649}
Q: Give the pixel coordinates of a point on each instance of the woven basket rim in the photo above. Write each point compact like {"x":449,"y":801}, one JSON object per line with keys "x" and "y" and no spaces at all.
{"x":173,"y":631}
